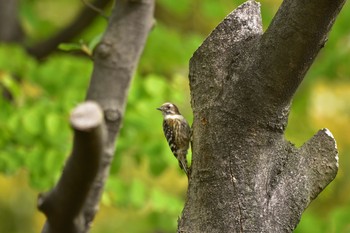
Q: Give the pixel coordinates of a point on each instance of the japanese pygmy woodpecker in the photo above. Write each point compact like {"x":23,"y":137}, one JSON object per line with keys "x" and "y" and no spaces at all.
{"x":177,"y":132}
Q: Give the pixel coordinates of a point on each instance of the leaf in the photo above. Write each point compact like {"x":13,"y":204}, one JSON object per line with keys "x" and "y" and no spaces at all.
{"x":154,"y":85}
{"x":69,"y":46}
{"x":52,"y":123}
{"x":180,"y":7}
{"x":340,"y":219}
{"x":92,"y":44}
{"x":119,"y":189}
{"x":137,"y":193}
{"x":159,"y":200}
{"x":32,"y":122}
{"x":10,"y":84}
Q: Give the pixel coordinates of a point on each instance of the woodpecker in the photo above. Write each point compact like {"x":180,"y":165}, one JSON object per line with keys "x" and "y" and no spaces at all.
{"x":177,"y":132}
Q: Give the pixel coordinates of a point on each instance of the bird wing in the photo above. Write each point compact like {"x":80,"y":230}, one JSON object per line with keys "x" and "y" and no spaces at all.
{"x":169,"y":134}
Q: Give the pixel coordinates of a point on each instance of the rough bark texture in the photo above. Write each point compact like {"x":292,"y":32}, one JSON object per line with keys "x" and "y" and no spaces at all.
{"x":245,"y":176}
{"x":115,"y":60}
{"x":71,"y":206}
{"x":62,"y":205}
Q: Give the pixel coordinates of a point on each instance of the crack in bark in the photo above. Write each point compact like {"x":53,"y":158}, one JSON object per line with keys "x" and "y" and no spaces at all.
{"x":233,"y":181}
{"x":240,"y":94}
{"x":268,"y":196}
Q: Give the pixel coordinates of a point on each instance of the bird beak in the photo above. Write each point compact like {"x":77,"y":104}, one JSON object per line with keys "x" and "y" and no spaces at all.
{"x":160,"y":109}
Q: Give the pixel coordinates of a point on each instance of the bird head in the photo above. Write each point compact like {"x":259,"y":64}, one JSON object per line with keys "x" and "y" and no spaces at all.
{"x":169,"y":109}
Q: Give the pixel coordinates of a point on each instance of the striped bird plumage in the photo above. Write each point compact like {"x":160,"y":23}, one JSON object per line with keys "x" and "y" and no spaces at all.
{"x":177,"y":132}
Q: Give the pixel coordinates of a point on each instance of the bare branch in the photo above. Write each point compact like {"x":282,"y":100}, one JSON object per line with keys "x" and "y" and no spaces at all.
{"x":63,"y":204}
{"x":94,"y":8}
{"x":292,"y":41}
{"x":115,"y":61}
{"x":308,"y":171}
{"x":83,"y":20}
{"x":10,"y":27}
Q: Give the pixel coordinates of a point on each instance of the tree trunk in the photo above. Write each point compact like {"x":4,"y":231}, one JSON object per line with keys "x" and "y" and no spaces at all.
{"x":10,"y":28}
{"x":71,"y":206}
{"x":115,"y":61}
{"x":245,"y":176}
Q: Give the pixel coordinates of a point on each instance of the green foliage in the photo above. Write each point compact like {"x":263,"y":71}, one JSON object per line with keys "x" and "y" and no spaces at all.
{"x":37,"y":136}
{"x":43,"y":18}
{"x":167,"y":51}
{"x":146,"y":186}
{"x":34,"y":125}
{"x":86,"y":48}
{"x":336,"y":221}
{"x":146,"y":94}
{"x":16,"y":205}
{"x":180,"y":7}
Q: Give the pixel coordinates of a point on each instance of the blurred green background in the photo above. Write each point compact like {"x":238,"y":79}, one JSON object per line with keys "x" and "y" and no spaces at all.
{"x":146,"y":190}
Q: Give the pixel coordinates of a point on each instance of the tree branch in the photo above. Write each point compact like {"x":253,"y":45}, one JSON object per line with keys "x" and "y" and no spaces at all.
{"x":10,"y":27}
{"x":245,"y":176}
{"x":293,"y":39}
{"x":63,"y":204}
{"x":308,"y":171}
{"x":115,"y":60}
{"x":71,"y":206}
{"x":84,"y":19}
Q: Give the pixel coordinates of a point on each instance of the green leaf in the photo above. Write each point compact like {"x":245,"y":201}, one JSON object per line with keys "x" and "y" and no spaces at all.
{"x":10,"y":84}
{"x":119,"y":189}
{"x":52,"y":123}
{"x":92,"y":44}
{"x":180,"y":7}
{"x":32,"y":122}
{"x":155,"y":85}
{"x":137,"y":193}
{"x":340,"y":219}
{"x":69,"y":46}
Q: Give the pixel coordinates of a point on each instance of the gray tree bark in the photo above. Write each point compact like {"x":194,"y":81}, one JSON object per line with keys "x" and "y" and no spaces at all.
{"x":71,"y":205}
{"x":115,"y":61}
{"x":10,"y":27}
{"x":245,"y":176}
{"x":62,"y":205}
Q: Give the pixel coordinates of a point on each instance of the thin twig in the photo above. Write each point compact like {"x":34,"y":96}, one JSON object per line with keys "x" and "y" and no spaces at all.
{"x":96,"y":9}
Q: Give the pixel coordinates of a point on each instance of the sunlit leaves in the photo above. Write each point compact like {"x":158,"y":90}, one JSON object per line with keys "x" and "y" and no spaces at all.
{"x":167,"y":51}
{"x":35,"y":132}
{"x":36,"y":135}
{"x":146,"y":186}
{"x":86,"y":48}
{"x":179,"y":7}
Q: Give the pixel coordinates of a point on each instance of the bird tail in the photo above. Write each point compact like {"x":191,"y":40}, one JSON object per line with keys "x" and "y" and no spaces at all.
{"x":183,"y":163}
